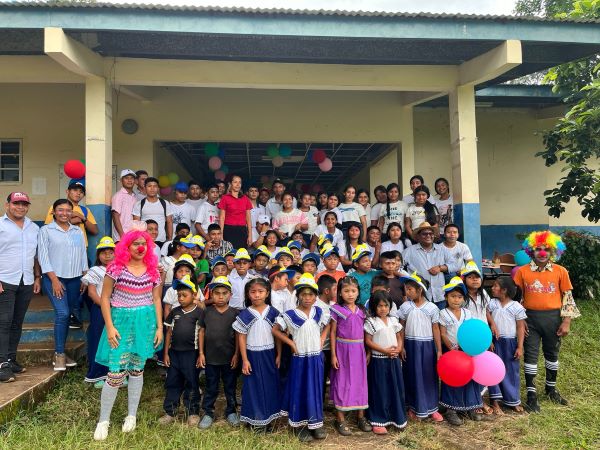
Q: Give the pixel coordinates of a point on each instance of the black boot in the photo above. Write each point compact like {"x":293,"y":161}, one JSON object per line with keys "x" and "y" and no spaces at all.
{"x":555,"y":397}
{"x":532,"y":405}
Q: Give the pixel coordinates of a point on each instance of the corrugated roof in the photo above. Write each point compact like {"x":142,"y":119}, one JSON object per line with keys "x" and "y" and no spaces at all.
{"x":297,"y":12}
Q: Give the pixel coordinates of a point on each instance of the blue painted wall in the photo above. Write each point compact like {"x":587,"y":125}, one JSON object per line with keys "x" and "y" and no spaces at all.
{"x":103,"y":218}
{"x":467,"y":217}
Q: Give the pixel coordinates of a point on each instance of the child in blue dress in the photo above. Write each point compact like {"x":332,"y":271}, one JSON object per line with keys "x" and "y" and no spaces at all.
{"x":254,"y":326}
{"x":509,"y":319}
{"x":308,"y":326}
{"x":385,"y":338}
{"x":422,"y":349}
{"x":467,"y":398}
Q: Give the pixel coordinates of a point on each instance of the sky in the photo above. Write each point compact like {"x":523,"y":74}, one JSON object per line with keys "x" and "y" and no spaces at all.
{"x":501,"y":7}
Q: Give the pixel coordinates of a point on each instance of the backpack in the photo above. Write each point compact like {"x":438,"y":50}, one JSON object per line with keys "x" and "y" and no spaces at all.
{"x":84,"y":210}
{"x":162,"y":202}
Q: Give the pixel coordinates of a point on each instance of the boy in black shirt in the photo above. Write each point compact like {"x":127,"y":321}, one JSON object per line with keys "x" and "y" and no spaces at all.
{"x":181,"y":355}
{"x":219,"y":352}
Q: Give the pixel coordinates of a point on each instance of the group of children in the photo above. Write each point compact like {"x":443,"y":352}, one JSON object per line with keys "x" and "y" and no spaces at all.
{"x":288,"y":322}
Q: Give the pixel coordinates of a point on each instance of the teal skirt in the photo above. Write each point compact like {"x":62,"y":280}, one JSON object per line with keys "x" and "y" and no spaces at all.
{"x":137,"y":327}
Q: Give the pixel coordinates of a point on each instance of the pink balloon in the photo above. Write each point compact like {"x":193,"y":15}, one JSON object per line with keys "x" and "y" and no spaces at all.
{"x":220,"y":175}
{"x":513,"y":272}
{"x":166,"y":190}
{"x":326,"y":165}
{"x":214,"y":163}
{"x":489,"y":369}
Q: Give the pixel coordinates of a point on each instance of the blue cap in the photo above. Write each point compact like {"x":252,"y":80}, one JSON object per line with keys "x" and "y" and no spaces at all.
{"x":181,"y":186}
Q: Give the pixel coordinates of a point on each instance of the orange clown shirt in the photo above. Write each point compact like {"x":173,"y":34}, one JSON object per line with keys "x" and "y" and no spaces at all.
{"x":543,"y":290}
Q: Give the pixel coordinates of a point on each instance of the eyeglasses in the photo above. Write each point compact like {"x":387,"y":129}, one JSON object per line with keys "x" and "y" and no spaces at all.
{"x":426,"y":234}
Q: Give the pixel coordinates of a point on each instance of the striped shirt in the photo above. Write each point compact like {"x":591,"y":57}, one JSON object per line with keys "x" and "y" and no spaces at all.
{"x":62,"y":252}
{"x":130,"y":291}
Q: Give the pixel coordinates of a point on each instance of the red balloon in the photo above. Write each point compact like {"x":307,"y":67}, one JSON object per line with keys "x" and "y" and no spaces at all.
{"x":74,"y":169}
{"x":455,"y":368}
{"x":319,"y":156}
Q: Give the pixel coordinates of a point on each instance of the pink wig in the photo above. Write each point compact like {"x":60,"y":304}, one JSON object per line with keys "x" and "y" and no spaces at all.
{"x":122,"y":255}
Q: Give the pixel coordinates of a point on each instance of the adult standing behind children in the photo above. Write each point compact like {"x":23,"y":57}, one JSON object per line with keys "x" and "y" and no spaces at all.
{"x":19,"y":278}
{"x":155,"y":208}
{"x":275,"y":203}
{"x":140,"y":188}
{"x":122,"y":205}
{"x":234,"y":215}
{"x":182,"y":211}
{"x":195,"y":197}
{"x":208,"y":213}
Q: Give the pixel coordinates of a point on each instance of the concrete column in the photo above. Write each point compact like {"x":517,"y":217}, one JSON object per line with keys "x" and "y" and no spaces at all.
{"x":465,"y":189}
{"x":406,"y":158}
{"x":98,"y":155}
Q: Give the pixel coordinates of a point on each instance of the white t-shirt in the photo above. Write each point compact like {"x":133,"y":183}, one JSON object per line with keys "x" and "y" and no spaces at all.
{"x":338,"y":213}
{"x":207,"y":215}
{"x":254,"y":213}
{"x":351,"y":212}
{"x":154,"y":211}
{"x":388,"y":246}
{"x":376,"y":211}
{"x":416,"y":214}
{"x":183,"y":213}
{"x":460,"y":253}
{"x":338,"y":236}
{"x":446,"y":211}
{"x":409,"y":199}
{"x":368,"y":213}
{"x":397,"y":212}
{"x":195,"y":204}
{"x":313,"y":219}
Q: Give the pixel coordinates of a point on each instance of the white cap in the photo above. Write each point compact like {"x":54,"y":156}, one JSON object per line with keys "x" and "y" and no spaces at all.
{"x":126,"y":172}
{"x":263,"y":218}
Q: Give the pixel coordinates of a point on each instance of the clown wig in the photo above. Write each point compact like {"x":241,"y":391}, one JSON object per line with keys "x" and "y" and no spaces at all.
{"x":548,"y":239}
{"x":122,"y":255}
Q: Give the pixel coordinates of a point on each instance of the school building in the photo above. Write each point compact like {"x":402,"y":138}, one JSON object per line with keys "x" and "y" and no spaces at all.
{"x":386,"y":95}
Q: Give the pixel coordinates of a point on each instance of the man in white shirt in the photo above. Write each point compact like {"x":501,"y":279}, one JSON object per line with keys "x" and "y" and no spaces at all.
{"x":155,"y":208}
{"x":195,"y":196}
{"x":275,"y":205}
{"x":208,"y":213}
{"x":257,"y":210}
{"x":140,"y":180}
{"x":183,"y":212}
{"x":122,"y":204}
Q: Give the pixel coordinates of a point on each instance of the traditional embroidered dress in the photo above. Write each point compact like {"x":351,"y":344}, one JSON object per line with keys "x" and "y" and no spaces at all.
{"x":348,"y":388}
{"x":467,"y":397}
{"x":261,"y":393}
{"x":134,"y":316}
{"x":419,"y":369}
{"x":96,"y":372}
{"x":505,"y":317}
{"x":384,"y":374}
{"x":302,"y":399}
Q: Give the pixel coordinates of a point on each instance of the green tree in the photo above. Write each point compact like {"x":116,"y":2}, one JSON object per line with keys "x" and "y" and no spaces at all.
{"x":574,"y":142}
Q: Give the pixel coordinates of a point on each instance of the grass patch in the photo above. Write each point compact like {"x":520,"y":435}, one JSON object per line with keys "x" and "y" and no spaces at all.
{"x":67,"y":418}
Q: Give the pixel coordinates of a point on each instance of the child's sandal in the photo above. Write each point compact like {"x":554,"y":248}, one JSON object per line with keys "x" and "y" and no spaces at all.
{"x":342,"y":428}
{"x":364,"y":425}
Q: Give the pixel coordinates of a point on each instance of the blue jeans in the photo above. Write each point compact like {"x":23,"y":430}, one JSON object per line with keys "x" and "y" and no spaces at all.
{"x":63,"y":307}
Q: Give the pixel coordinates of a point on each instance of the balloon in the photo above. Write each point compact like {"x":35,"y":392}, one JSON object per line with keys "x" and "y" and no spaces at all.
{"x":82,"y":161}
{"x":278,"y":161}
{"x":214,"y":163}
{"x":522,"y":258}
{"x":455,"y":368}
{"x":272,"y":151}
{"x":74,"y":169}
{"x":264,"y":179}
{"x":319,"y":156}
{"x":173,"y":178}
{"x":221,"y":153}
{"x":489,"y":369}
{"x":163,"y":181}
{"x":225,"y":169}
{"x":164,"y":191}
{"x":513,"y":272}
{"x":326,"y":165}
{"x":474,"y":337}
{"x":310,"y":156}
{"x":285,"y":150}
{"x":219,"y":175}
{"x":211,"y":149}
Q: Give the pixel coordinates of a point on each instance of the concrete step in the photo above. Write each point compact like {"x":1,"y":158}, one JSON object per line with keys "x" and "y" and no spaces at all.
{"x":41,"y":310}
{"x":35,"y":353}
{"x":44,"y":332}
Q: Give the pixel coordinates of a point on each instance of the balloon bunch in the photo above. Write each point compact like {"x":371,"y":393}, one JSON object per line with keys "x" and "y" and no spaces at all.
{"x":215,"y":160}
{"x":320,"y":158}
{"x":166,"y":183}
{"x":456,"y":368}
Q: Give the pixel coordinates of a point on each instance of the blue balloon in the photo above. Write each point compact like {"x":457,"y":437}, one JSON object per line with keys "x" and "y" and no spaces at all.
{"x":221,"y":153}
{"x":522,"y":258}
{"x":285,"y":151}
{"x":474,"y":337}
{"x":309,"y":155}
{"x":225,"y":169}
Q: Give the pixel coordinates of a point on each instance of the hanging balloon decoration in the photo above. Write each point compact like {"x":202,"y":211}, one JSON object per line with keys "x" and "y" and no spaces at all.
{"x":220,"y":175}
{"x":285,"y":151}
{"x":214,"y":163}
{"x":163,"y":181}
{"x":272,"y":151}
{"x":225,"y":169}
{"x":278,"y":161}
{"x":319,"y":155}
{"x":173,"y":178}
{"x":74,"y":168}
{"x":326,"y":165}
{"x":211,"y":149}
{"x":164,"y":191}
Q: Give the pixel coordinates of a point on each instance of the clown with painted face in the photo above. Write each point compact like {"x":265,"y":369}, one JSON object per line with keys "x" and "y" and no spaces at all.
{"x":550,"y":306}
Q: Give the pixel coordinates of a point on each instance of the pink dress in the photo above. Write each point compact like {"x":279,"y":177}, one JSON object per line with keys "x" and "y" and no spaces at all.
{"x":348,"y":388}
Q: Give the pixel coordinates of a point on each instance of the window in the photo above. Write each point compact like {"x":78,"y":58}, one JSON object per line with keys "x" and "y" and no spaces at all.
{"x":10,"y":160}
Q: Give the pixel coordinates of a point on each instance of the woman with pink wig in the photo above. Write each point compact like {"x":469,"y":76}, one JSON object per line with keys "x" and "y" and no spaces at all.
{"x":132,"y":310}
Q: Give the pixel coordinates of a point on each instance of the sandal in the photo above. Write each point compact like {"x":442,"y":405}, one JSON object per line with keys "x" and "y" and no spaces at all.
{"x":342,"y":428}
{"x":497,"y":409}
{"x":364,"y":425}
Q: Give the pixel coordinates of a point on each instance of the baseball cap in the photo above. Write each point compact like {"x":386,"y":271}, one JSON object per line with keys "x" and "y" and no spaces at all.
{"x":185,"y":281}
{"x":263,"y":218}
{"x":284,"y":251}
{"x":216,"y":261}
{"x":181,"y":186}
{"x":307,"y":281}
{"x":220,"y":282}
{"x":187,"y":241}
{"x":262,"y":250}
{"x":15,"y":197}
{"x":186,"y":260}
{"x":311,"y":257}
{"x":77,"y":183}
{"x":126,"y":172}
{"x":294,"y":244}
{"x":105,"y":242}
{"x":276,"y":270}
{"x":241,"y":254}
{"x":455,"y":283}
{"x":360,"y":251}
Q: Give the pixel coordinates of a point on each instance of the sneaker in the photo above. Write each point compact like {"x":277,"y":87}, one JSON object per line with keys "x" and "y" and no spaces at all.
{"x":101,"y":432}
{"x":319,"y":433}
{"x":129,"y":424}
{"x":380,"y":430}
{"x":16,"y":367}
{"x":6,"y":375}
{"x":437,"y":417}
{"x":342,"y":428}
{"x":166,"y":420}
{"x":452,"y":418}
{"x":206,"y":422}
{"x":555,"y":397}
{"x":69,"y":362}
{"x":364,"y":425}
{"x":59,"y":362}
{"x":193,"y":420}
{"x":75,"y":323}
{"x":532,"y":405}
{"x":233,"y":419}
{"x":304,"y":435}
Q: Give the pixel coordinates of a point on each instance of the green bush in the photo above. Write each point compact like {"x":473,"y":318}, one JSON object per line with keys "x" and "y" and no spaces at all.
{"x":582,"y":260}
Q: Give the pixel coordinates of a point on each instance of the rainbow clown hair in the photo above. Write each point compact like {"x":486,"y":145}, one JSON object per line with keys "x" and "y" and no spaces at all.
{"x":122,"y":255}
{"x":548,"y":239}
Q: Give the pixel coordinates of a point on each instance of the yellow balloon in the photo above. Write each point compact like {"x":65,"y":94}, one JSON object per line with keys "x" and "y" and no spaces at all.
{"x":163,"y":181}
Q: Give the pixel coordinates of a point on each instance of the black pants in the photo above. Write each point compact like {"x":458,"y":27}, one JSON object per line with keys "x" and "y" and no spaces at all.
{"x":214,"y":374}
{"x":542,"y":328}
{"x":14,"y":302}
{"x":182,"y":378}
{"x":237,"y":235}
{"x":326,"y":371}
